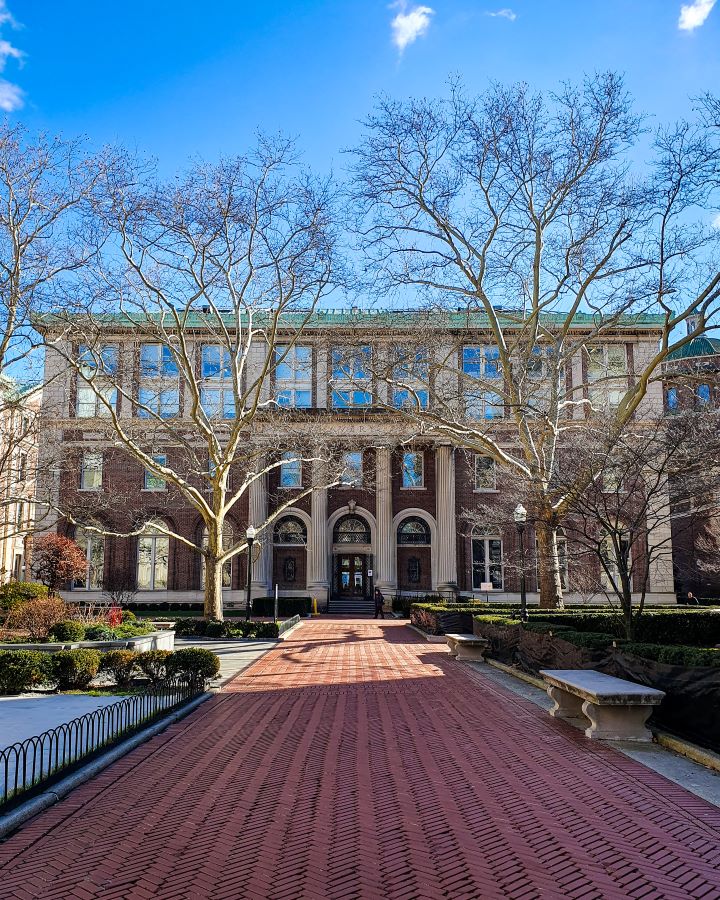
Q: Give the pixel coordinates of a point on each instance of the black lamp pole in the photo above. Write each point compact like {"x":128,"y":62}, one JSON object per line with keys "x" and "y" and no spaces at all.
{"x":520,"y":516}
{"x":250,"y":535}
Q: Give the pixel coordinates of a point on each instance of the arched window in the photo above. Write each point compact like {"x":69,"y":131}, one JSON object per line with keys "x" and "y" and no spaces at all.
{"x":152,"y":559}
{"x":290,"y":530}
{"x":93,"y":546}
{"x":487,"y":559}
{"x":228,"y":540}
{"x":351,"y":530}
{"x":413,"y":531}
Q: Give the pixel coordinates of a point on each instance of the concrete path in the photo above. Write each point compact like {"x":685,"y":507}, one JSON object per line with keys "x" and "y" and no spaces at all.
{"x":357,"y":761}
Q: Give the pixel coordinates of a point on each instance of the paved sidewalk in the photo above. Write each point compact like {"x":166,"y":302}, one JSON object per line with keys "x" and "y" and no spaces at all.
{"x":357,"y":761}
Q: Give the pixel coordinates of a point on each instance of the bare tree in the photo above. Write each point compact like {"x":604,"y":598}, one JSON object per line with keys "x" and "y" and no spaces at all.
{"x":660,"y":477}
{"x":515,"y":219}
{"x":193,"y":312}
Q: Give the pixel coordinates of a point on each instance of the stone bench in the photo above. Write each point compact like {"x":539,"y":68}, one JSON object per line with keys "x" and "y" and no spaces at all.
{"x":606,"y":707}
{"x":467,"y":646}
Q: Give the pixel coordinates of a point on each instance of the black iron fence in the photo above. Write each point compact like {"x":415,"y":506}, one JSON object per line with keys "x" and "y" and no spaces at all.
{"x":36,"y":761}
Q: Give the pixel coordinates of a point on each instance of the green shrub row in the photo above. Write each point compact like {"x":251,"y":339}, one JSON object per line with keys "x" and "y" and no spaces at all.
{"x":71,"y":630}
{"x":214,"y":628}
{"x":661,"y":626}
{"x":674,"y":655}
{"x":21,"y":670}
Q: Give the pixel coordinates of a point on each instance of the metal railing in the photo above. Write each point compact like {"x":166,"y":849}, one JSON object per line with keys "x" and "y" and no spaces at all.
{"x":34,"y":762}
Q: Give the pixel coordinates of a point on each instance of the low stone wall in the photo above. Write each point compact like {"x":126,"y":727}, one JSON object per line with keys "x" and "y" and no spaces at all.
{"x":156,"y":640}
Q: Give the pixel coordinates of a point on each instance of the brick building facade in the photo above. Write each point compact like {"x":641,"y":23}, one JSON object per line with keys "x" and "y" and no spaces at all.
{"x":402,"y":522}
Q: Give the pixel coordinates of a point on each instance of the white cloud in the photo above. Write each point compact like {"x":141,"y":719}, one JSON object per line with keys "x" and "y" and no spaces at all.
{"x":409,"y":24}
{"x":11,"y":97}
{"x":505,"y":14}
{"x":716,"y":221}
{"x":693,"y":14}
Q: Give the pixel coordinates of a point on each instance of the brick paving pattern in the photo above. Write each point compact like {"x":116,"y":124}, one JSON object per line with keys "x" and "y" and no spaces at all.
{"x":355,"y":761}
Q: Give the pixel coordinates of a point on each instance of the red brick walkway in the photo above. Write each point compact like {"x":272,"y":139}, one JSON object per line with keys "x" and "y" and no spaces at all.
{"x":357,"y":762}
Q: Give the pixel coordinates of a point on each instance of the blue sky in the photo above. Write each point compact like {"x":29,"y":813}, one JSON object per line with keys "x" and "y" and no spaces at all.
{"x":179,"y":79}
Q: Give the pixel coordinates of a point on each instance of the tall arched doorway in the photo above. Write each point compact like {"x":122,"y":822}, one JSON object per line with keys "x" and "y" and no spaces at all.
{"x":352,"y":558}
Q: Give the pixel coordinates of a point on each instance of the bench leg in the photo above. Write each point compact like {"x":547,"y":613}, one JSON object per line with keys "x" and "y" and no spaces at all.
{"x":567,"y":707}
{"x":453,"y":648}
{"x":617,"y":723}
{"x":472,"y":654}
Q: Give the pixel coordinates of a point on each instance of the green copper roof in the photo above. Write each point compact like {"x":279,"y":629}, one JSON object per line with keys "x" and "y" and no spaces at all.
{"x":699,"y":346}
{"x":353,"y":318}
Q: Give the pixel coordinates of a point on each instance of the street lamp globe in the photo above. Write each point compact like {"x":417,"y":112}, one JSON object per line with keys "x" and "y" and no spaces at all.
{"x":250,"y":533}
{"x":520,"y":514}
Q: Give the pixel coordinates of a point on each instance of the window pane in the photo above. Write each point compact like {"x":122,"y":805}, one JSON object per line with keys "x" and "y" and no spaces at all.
{"x":484,"y":473}
{"x":228,"y":405}
{"x":492,"y":363}
{"x":162,"y":554}
{"x":149,"y":359}
{"x":412,"y":470}
{"x":169,"y":366}
{"x":472,"y":361}
{"x":85,"y":403}
{"x":144,"y":572}
{"x":210,"y":361}
{"x":291,"y":472}
{"x":210,"y":400}
{"x":155,"y":482}
{"x":303,"y":399}
{"x":91,"y":472}
{"x":617,"y":360}
{"x":703,"y":393}
{"x":169,"y":403}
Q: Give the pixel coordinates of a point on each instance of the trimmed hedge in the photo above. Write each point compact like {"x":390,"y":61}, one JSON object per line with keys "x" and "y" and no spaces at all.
{"x":67,"y":631}
{"x":686,"y":627}
{"x":153,"y":664}
{"x":196,"y":664}
{"x":121,"y":664}
{"x":214,"y":628}
{"x":21,"y":670}
{"x":74,"y":669}
{"x":287,"y":606}
{"x":674,"y":655}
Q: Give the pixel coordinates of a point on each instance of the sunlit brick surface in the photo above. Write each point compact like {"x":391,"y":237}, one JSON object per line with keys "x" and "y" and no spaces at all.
{"x":357,"y":761}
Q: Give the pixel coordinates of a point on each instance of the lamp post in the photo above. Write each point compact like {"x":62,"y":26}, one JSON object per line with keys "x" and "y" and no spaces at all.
{"x":250,"y":535}
{"x":520,"y":516}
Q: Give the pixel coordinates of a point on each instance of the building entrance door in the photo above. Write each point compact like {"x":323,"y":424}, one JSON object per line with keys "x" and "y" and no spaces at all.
{"x":351,"y":575}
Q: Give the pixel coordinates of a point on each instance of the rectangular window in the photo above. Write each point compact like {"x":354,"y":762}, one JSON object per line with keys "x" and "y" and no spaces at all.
{"x":483,"y":364}
{"x":97,"y":402}
{"x":351,"y":372}
{"x":162,"y":403}
{"x":412,"y":469}
{"x":20,"y":514}
{"x":352,"y":474}
{"x":91,"y":471}
{"x":291,"y":471}
{"x":157,"y":360}
{"x":93,"y":361}
{"x":702,"y":393}
{"x":606,"y":375}
{"x":412,"y":376}
{"x":293,"y":376}
{"x":151,"y":481}
{"x":671,"y":399}
{"x":487,"y":562}
{"x":485,"y":473}
{"x":218,"y":403}
{"x":215,"y":362}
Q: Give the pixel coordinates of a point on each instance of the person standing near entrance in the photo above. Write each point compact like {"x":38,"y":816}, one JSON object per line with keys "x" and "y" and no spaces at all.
{"x":379,"y":604}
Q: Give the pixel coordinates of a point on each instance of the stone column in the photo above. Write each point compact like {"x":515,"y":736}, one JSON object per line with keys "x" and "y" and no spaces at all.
{"x":318,"y":583}
{"x":446,"y":534}
{"x":385,"y":556}
{"x":261,"y":551}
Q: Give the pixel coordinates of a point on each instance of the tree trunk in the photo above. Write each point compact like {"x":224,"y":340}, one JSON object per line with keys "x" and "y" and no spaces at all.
{"x":548,"y":566}
{"x":213,"y":575}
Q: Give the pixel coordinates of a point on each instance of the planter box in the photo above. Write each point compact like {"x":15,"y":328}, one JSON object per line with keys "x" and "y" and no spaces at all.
{"x":156,"y":640}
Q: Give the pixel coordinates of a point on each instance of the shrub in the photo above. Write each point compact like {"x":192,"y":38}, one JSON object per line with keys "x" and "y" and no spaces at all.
{"x":217,"y":629}
{"x":541,"y":627}
{"x":37,"y":616}
{"x":590,"y":640}
{"x":15,"y":592}
{"x":153,"y":664}
{"x":57,"y":559}
{"x":255,"y":630}
{"x":132,"y":630}
{"x":194,"y":664}
{"x":21,"y":670}
{"x":190,"y":627}
{"x":99,"y":633}
{"x":120,"y":664}
{"x":128,"y":616}
{"x":67,"y":630}
{"x":287,"y":606}
{"x":674,"y":655}
{"x":73,"y":669}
